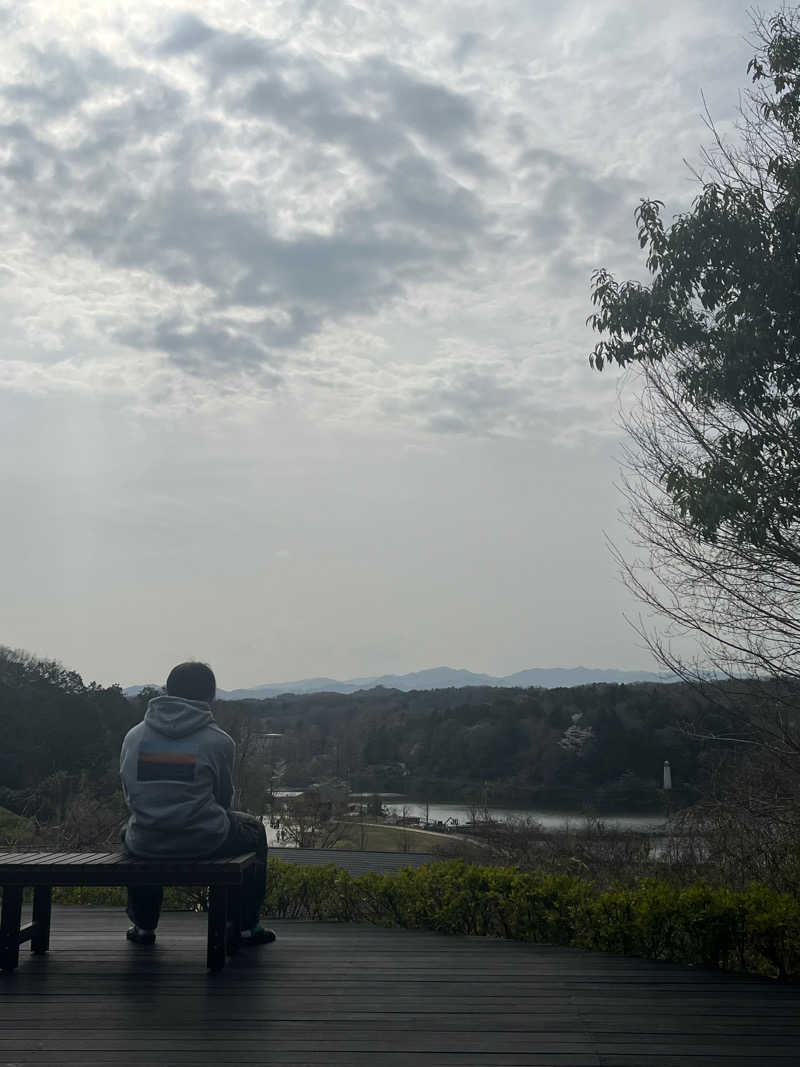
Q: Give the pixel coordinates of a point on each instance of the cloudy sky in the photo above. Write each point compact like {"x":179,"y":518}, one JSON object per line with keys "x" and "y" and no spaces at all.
{"x":293,"y":295}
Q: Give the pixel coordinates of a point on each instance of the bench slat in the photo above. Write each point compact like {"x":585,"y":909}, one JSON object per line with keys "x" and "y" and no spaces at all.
{"x":117,"y":868}
{"x":25,"y":858}
{"x":115,"y":876}
{"x":244,"y":859}
{"x":35,"y":858}
{"x":79,"y":857}
{"x":22,"y":857}
{"x":51,"y":858}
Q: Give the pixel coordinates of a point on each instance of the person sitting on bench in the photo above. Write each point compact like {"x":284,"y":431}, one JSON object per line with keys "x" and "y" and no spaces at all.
{"x":177,"y":778}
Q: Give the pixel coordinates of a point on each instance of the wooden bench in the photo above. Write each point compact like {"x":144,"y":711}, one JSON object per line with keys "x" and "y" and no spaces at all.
{"x":43,"y":870}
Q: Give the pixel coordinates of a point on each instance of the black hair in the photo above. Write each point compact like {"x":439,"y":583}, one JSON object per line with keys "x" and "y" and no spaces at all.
{"x":192,"y":681}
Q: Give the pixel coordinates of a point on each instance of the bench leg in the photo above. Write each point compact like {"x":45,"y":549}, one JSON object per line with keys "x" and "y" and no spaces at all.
{"x":234,"y":930}
{"x":217,"y":923}
{"x":42,"y":901}
{"x":10,"y":921}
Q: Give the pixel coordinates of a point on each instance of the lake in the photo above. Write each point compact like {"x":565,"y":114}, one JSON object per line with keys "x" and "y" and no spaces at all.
{"x":550,"y":820}
{"x":459,"y":812}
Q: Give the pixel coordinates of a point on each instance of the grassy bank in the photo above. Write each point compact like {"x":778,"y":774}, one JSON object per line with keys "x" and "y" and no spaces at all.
{"x":372,"y":837}
{"x":15,"y":829}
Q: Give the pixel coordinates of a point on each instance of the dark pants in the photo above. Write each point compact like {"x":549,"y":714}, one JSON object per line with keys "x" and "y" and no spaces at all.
{"x":247,"y":834}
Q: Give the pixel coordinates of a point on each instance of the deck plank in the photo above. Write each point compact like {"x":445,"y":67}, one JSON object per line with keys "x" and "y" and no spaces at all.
{"x":328,"y":993}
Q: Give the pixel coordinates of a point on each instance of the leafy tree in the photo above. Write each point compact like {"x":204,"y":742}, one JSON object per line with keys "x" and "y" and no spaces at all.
{"x":60,"y":748}
{"x":713,"y":462}
{"x":723,"y":319}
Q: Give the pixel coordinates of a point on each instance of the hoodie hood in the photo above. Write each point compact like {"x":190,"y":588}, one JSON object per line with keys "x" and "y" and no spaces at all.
{"x":176,"y":716}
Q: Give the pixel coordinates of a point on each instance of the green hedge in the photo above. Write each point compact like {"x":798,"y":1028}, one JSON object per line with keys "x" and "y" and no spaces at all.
{"x":178,"y":899}
{"x":754,"y":930}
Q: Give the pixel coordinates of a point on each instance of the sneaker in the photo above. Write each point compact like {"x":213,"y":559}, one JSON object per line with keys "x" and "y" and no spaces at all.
{"x":140,"y":936}
{"x":258,"y":936}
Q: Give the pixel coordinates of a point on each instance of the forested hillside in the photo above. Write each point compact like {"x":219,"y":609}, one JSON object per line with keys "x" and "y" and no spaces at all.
{"x":597,"y":745}
{"x":51,"y":721}
{"x":601,"y":745}
{"x":56,"y":730}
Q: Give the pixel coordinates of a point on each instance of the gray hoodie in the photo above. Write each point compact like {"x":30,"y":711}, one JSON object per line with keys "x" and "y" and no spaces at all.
{"x":177,"y":777}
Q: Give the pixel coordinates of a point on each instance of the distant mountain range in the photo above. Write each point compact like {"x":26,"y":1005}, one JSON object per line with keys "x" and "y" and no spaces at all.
{"x":440,"y":678}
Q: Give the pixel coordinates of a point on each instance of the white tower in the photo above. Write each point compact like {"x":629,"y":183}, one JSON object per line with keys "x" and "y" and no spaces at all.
{"x":667,"y":775}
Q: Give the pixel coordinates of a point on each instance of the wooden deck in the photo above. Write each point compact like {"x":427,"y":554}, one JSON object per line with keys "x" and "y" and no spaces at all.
{"x":366,"y":997}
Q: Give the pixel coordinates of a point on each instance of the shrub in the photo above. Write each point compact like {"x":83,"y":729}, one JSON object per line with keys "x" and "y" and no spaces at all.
{"x":176,"y":898}
{"x":755,"y":929}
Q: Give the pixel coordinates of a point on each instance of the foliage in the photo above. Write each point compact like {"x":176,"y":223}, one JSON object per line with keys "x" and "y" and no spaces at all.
{"x":512,"y":745}
{"x":53,"y":723}
{"x":722,"y":310}
{"x":79,"y":814}
{"x":176,"y":898}
{"x":713,"y":463}
{"x":754,"y":929}
{"x":745,"y":828}
{"x":308,"y":821}
{"x":590,"y":849}
{"x":15,"y":829}
{"x":505,"y":745}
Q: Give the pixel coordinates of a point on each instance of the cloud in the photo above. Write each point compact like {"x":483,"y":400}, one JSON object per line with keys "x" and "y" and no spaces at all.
{"x":187,"y":34}
{"x":215,"y":196}
{"x":250,"y":213}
